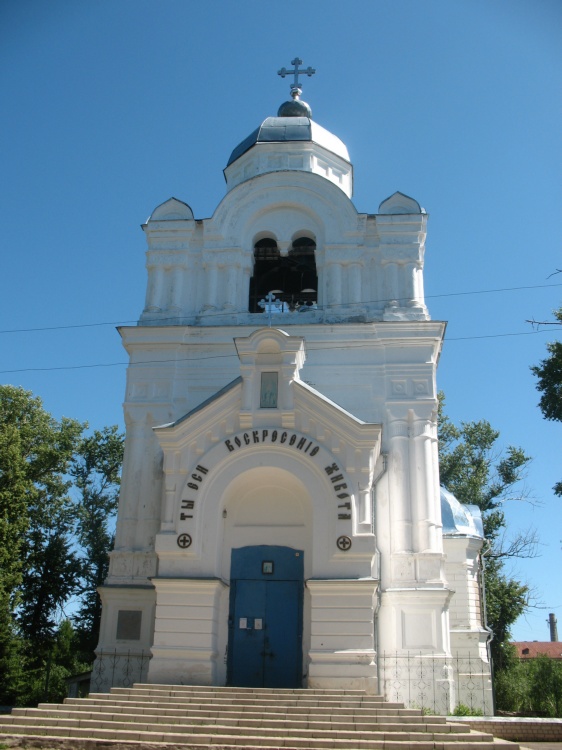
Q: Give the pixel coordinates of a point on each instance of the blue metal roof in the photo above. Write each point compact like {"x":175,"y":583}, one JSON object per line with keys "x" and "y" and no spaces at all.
{"x":459,"y":519}
{"x":288,"y":129}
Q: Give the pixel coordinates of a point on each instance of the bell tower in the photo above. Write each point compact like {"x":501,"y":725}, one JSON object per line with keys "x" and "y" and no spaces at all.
{"x":281,"y":393}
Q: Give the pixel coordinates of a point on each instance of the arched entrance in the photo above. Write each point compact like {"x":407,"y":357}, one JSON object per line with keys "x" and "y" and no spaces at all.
{"x":265,"y":617}
{"x":267,"y":513}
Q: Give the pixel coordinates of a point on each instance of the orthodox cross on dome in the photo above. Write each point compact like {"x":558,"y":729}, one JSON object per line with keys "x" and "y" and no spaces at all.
{"x":296,"y":87}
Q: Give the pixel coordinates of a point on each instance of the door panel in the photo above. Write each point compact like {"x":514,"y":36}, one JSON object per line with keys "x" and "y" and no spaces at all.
{"x":248,"y":644}
{"x":282,"y":644}
{"x":265,"y":644}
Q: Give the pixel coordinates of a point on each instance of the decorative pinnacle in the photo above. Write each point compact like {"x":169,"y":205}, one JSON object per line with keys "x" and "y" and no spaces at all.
{"x":296,"y":88}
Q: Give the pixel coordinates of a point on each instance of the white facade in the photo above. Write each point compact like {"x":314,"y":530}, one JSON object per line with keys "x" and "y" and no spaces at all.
{"x":310,"y":427}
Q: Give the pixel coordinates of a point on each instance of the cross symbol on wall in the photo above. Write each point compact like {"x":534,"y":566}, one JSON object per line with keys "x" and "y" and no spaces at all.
{"x":343,"y":543}
{"x":184,"y":541}
{"x":296,"y":86}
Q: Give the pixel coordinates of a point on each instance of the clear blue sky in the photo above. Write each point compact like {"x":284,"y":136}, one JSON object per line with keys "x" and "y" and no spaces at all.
{"x":110,"y":107}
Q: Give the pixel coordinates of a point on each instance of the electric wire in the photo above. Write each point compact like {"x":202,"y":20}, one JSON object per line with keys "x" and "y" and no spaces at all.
{"x":229,"y":314}
{"x":310,"y":347}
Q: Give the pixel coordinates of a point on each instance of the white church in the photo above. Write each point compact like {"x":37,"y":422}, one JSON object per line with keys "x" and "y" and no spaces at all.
{"x":281,"y":522}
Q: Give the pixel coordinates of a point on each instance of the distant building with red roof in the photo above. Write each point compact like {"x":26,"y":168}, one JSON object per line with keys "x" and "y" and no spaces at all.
{"x":532,"y":649}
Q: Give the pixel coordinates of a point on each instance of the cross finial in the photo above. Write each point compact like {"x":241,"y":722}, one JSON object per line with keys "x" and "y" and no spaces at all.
{"x":273,"y":305}
{"x":268,"y":304}
{"x":296,"y":88}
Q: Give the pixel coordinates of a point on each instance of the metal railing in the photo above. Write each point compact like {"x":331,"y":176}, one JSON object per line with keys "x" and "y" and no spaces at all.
{"x":436,"y":684}
{"x":119,"y":669}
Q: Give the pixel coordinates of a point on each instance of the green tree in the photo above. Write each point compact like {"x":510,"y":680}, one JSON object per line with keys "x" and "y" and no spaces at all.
{"x":48,"y":683}
{"x":549,"y":374}
{"x":96,"y":472}
{"x":476,"y":472}
{"x":51,"y":577}
{"x":35,"y":452}
{"x":58,"y":494}
{"x":13,"y":524}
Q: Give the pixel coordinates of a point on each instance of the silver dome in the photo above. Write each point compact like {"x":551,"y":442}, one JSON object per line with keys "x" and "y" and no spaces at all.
{"x":288,"y":129}
{"x":459,"y":519}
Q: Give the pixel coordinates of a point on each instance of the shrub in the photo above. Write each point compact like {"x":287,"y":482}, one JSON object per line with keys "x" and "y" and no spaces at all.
{"x":532,"y":687}
{"x":463,"y":710}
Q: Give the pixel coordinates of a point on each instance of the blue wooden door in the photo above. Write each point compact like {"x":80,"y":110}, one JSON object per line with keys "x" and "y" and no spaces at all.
{"x":265,"y":643}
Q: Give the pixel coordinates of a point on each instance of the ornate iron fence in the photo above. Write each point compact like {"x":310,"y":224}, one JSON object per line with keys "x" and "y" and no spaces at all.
{"x":436,"y":684}
{"x":118,"y":668}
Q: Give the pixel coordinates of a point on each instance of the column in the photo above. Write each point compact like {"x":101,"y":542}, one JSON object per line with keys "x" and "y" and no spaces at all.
{"x":177,"y":274}
{"x":130,"y":481}
{"x":191,"y":284}
{"x":335,"y":286}
{"x":354,"y":284}
{"x":425,"y":501}
{"x":211,"y":273}
{"x":232,"y":286}
{"x":391,"y":284}
{"x":173,"y":480}
{"x":244,"y":291}
{"x":399,"y":487}
{"x":411,"y":285}
{"x":154,"y":292}
{"x":151,"y":485}
{"x":421,"y":292}
{"x":437,"y":485}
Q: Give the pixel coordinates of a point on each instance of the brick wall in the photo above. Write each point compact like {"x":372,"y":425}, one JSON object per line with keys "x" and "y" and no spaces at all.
{"x":515,"y":729}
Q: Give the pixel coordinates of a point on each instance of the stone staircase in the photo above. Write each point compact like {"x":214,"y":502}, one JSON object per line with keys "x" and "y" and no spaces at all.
{"x":214,"y":717}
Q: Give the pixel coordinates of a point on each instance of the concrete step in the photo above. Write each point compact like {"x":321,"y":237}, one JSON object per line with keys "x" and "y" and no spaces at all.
{"x":207,"y":718}
{"x":264,"y":699}
{"x":397,"y":733}
{"x":261,"y":726}
{"x":176,"y":736}
{"x":249,"y":696}
{"x":273,"y":699}
{"x":234,"y":716}
{"x":120,"y":702}
{"x":248,"y":693}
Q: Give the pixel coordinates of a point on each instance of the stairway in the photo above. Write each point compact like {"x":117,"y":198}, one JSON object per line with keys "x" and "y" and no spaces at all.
{"x":207,"y":717}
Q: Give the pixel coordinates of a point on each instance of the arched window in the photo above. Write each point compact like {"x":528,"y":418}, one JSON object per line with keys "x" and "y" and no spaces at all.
{"x":292,"y":279}
{"x":266,"y":258}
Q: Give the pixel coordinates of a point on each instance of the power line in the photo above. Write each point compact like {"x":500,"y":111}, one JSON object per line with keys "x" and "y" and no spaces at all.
{"x":310,"y":347}
{"x":493,"y":291}
{"x":75,"y":325}
{"x":171,"y":320}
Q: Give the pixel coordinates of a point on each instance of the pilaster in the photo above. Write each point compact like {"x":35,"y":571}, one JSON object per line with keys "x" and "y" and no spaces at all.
{"x":126,"y":632}
{"x":186,"y":639}
{"x":342,"y":645}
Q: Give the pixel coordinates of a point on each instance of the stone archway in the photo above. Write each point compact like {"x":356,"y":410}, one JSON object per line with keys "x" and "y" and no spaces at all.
{"x":265,"y":505}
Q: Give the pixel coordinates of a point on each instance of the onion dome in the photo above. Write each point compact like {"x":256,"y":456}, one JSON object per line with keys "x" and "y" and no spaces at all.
{"x":287,"y":129}
{"x":292,"y":141}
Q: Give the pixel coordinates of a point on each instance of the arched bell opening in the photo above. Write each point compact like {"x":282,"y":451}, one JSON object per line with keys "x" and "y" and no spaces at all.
{"x":292,"y":279}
